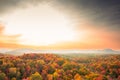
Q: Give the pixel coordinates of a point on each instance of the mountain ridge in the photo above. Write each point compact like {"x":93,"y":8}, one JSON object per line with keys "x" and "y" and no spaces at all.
{"x":29,"y":50}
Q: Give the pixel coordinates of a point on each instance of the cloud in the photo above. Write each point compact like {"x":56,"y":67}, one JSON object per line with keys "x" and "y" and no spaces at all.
{"x":104,"y":14}
{"x":7,"y":38}
{"x":11,"y":41}
{"x":1,"y":29}
{"x":10,"y":5}
{"x":100,"y":12}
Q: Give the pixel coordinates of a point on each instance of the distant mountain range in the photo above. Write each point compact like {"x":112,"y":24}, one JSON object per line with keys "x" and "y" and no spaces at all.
{"x":4,"y":50}
{"x":27,"y":50}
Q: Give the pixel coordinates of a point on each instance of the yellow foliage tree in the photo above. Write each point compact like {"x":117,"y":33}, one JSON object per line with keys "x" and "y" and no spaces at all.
{"x":36,"y":76}
{"x":13,"y":78}
{"x":55,"y":75}
{"x":12,"y":70}
{"x":77,"y":77}
{"x":50,"y":77}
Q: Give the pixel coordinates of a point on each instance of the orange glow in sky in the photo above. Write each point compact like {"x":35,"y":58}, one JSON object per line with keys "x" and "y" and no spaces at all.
{"x":41,"y":25}
{"x":44,"y":27}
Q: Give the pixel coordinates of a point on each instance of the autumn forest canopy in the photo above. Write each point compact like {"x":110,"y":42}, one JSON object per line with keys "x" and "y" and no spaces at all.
{"x":60,"y":67}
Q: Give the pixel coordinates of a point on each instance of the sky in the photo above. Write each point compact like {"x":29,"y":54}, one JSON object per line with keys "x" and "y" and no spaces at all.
{"x":60,"y":24}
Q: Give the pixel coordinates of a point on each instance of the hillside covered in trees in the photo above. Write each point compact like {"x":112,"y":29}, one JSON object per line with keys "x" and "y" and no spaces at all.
{"x":60,"y":67}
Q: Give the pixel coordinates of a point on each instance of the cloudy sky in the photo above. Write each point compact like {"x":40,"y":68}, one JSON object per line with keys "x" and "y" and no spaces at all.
{"x":60,"y":24}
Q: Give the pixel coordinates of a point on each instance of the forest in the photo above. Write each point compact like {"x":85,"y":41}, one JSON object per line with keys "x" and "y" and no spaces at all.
{"x":32,"y":66}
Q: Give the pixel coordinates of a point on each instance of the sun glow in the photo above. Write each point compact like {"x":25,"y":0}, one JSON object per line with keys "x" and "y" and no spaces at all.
{"x":41,"y":25}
